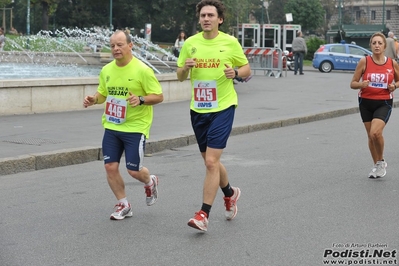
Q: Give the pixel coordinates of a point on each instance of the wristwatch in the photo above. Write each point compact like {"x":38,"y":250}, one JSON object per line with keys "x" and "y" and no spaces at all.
{"x":141,"y":98}
{"x":235,"y":70}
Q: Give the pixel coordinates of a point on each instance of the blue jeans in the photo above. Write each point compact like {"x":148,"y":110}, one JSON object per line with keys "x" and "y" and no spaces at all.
{"x":298,"y":62}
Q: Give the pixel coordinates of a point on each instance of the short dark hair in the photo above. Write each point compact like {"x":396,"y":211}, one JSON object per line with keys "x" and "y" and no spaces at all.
{"x":216,"y":3}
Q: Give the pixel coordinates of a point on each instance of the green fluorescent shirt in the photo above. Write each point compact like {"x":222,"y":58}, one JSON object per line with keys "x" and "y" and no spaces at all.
{"x":211,"y":57}
{"x":137,"y":78}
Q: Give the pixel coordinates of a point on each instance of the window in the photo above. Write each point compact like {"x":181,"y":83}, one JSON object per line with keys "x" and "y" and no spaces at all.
{"x":356,"y":51}
{"x":358,"y":14}
{"x":388,"y":14}
{"x":373,"y":15}
{"x":338,"y":49}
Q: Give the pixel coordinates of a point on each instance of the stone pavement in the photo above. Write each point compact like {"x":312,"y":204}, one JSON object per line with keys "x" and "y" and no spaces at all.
{"x":41,"y":141}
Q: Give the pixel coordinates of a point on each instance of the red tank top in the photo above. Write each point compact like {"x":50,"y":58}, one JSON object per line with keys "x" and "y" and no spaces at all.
{"x":379,"y":76}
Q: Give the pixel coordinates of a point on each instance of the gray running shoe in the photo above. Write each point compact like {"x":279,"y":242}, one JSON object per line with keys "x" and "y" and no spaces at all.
{"x":152,"y":191}
{"x":121,"y":212}
{"x":379,"y":170}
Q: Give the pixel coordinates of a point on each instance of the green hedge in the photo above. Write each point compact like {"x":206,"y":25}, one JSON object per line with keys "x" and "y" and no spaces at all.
{"x":313,"y":44}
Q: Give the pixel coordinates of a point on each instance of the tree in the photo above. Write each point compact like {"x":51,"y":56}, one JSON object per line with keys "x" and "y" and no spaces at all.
{"x":236,"y":13}
{"x":307,"y":13}
{"x":48,"y":7}
{"x":330,"y":10}
{"x":177,"y":15}
{"x":276,"y":13}
{"x":167,"y":17}
{"x":3,"y":4}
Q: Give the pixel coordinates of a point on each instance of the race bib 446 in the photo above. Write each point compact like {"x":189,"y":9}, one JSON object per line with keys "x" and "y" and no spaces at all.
{"x":115,"y":110}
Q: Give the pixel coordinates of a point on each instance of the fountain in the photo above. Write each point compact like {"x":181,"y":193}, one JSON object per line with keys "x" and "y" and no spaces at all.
{"x":71,"y":51}
{"x":40,"y":69}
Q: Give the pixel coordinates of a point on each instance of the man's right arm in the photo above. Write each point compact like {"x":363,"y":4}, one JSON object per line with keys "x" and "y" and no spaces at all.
{"x":182,"y":74}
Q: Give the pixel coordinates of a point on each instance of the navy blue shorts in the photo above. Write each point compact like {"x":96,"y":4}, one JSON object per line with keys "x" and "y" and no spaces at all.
{"x":370,"y":109}
{"x":212,"y":129}
{"x":115,"y":143}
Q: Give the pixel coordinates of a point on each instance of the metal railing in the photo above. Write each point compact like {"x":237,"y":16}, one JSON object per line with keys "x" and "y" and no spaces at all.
{"x":268,"y":59}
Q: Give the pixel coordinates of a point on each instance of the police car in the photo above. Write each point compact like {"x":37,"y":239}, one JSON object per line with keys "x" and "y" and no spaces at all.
{"x":338,"y":56}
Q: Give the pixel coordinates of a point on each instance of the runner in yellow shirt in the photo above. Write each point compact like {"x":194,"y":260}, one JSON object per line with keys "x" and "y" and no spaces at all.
{"x":213,"y":59}
{"x":128,"y":88}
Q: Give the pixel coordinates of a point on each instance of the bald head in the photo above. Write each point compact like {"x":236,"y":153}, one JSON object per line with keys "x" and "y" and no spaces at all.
{"x":121,"y":47}
{"x":121,"y":33}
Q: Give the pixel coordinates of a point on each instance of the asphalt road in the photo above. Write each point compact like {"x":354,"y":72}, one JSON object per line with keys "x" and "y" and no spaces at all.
{"x":304,"y":187}
{"x":40,"y":141}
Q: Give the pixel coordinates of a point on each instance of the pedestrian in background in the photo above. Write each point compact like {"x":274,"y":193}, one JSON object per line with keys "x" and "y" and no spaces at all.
{"x":2,"y":39}
{"x":397,"y":47}
{"x":129,"y":89}
{"x":391,"y":50}
{"x":181,"y":38}
{"x":210,"y":57}
{"x":299,"y":49}
{"x":376,"y":77}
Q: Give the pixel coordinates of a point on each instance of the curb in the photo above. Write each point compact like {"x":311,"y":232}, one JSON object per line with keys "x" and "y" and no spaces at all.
{"x":65,"y":157}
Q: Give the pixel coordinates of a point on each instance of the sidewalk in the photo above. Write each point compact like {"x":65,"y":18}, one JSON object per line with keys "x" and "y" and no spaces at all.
{"x":40,"y":141}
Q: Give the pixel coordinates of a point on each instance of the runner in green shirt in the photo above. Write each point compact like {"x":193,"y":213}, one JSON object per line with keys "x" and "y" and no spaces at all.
{"x":212,"y":59}
{"x":128,"y":89}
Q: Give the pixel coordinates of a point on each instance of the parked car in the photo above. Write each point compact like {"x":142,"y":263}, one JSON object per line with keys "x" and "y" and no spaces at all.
{"x":338,"y":56}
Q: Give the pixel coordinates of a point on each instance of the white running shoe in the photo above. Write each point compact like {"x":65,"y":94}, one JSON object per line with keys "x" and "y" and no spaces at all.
{"x":152,"y":191}
{"x":231,"y":204}
{"x":121,"y":212}
{"x":379,"y":170}
{"x":199,"y":221}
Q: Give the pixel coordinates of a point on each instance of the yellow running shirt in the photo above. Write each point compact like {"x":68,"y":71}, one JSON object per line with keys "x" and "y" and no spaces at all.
{"x":211,"y":90}
{"x":115,"y":83}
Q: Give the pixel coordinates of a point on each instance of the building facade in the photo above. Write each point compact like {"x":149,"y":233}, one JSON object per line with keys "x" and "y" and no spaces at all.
{"x":367,"y":12}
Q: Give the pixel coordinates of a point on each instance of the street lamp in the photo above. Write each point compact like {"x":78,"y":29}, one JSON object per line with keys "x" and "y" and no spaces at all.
{"x":28,"y":18}
{"x":27,"y":23}
{"x":340,"y":6}
{"x":383,"y":13}
{"x":237,"y":19}
{"x":11,"y":15}
{"x":262,"y":12}
{"x":110,"y":15}
{"x":266,"y":5}
{"x":4,"y":17}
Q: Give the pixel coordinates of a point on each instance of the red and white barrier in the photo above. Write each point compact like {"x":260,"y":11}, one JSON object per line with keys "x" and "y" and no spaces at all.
{"x":268,"y":59}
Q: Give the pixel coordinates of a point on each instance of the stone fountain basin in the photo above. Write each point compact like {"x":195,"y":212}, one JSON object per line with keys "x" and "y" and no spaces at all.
{"x":58,"y":94}
{"x":94,"y":60}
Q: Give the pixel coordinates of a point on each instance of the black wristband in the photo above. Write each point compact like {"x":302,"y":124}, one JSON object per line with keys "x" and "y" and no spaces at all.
{"x":235,"y":70}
